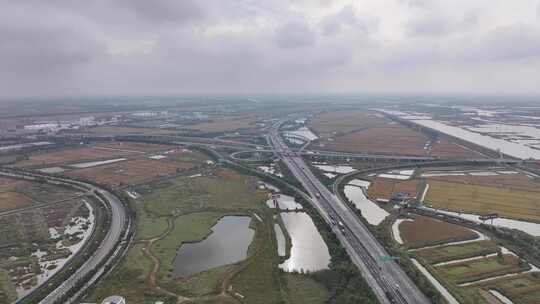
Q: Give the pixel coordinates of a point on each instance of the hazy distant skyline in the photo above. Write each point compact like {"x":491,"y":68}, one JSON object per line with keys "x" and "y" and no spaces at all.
{"x":130,"y":47}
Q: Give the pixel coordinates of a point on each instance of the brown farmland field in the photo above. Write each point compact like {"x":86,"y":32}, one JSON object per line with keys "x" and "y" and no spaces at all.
{"x":133,"y":147}
{"x":70,"y":155}
{"x":424,"y":231}
{"x":446,"y":148}
{"x":388,"y":139}
{"x":385,"y":188}
{"x":130,"y":172}
{"x":510,"y":181}
{"x":106,"y":130}
{"x":226,"y":124}
{"x":341,"y":122}
{"x":12,"y":200}
{"x":483,"y":199}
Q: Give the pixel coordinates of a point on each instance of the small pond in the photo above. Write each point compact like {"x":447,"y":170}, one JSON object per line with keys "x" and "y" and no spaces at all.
{"x":228,"y":243}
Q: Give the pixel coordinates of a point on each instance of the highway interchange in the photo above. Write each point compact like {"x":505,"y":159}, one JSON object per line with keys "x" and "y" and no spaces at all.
{"x":388,"y":281}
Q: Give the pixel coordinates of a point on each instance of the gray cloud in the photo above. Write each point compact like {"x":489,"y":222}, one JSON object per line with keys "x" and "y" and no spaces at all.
{"x":31,"y":45}
{"x":61,"y":47}
{"x":433,"y":23}
{"x":294,"y":35}
{"x":165,"y":11}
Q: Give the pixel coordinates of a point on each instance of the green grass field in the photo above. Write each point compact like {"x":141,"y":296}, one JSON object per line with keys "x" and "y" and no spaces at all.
{"x":259,"y":281}
{"x":201,"y":284}
{"x":130,"y":280}
{"x":479,"y":269}
{"x":7,"y":290}
{"x":523,"y":288}
{"x":456,"y":252}
{"x":303,"y":289}
{"x":186,"y":195}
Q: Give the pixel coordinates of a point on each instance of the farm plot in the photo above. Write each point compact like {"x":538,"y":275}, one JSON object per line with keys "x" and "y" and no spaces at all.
{"x":424,"y":231}
{"x":18,"y":193}
{"x":475,"y":270}
{"x":13,"y":200}
{"x":131,"y":172}
{"x":506,"y":202}
{"x":70,"y":155}
{"x":523,"y":288}
{"x":386,"y":188}
{"x":457,"y":252}
{"x":111,"y":130}
{"x":340,"y":122}
{"x":445,"y":148}
{"x":132,"y":147}
{"x":493,"y":177}
{"x":389,"y":139}
{"x":226,"y":124}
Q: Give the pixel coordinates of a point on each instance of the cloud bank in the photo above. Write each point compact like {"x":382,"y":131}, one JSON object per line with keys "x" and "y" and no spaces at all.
{"x":131,"y":47}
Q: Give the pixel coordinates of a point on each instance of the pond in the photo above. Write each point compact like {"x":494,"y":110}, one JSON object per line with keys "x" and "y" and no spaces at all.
{"x":370,"y":211}
{"x":285,"y":202}
{"x":309,"y":251}
{"x":228,"y":243}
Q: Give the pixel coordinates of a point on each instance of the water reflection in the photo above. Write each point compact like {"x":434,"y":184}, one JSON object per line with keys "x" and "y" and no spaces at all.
{"x":281,"y":242}
{"x":227,"y":244}
{"x":370,"y":211}
{"x":308,"y":252}
{"x":285,"y":202}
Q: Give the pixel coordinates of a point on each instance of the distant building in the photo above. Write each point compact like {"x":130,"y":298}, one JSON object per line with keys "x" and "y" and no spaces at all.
{"x":87,"y":121}
{"x":114,"y":300}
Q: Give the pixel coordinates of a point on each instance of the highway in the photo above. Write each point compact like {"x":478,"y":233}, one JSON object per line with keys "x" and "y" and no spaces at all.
{"x":387,"y":280}
{"x":119,"y":222}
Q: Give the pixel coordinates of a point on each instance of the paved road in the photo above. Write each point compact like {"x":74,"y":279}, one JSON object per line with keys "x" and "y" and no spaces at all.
{"x":108,"y":245}
{"x":388,"y":281}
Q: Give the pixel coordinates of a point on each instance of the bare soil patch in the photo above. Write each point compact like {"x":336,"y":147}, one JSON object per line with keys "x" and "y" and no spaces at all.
{"x":386,"y":188}
{"x":130,"y":172}
{"x":13,"y":200}
{"x":424,"y":231}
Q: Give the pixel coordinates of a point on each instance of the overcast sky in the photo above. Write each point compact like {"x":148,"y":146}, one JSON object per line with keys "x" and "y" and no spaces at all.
{"x":131,"y":47}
